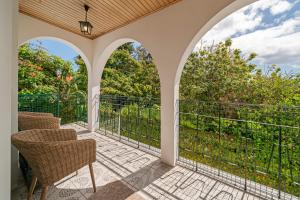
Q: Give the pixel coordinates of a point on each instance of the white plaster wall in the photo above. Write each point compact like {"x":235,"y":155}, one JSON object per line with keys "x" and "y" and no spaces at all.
{"x":15,"y":172}
{"x":8,"y":64}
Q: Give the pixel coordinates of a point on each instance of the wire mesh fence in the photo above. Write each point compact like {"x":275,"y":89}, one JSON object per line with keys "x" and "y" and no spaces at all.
{"x":70,"y":108}
{"x":255,"y":147}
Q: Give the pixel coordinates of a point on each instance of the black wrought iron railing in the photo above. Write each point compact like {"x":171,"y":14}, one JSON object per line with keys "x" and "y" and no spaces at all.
{"x":131,"y":119}
{"x":255,"y":147}
{"x":70,"y":108}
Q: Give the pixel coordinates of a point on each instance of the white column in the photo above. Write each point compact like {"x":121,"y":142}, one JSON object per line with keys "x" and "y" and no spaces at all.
{"x":8,"y":66}
{"x":169,"y":120}
{"x":93,"y":102}
{"x":15,"y":171}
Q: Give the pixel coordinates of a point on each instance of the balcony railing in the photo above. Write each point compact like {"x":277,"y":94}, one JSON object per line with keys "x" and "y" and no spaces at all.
{"x":70,"y":108}
{"x":131,"y":119}
{"x":253,"y":147}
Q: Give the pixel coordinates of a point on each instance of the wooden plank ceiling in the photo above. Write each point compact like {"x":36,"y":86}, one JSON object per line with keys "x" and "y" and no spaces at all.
{"x":105,"y":15}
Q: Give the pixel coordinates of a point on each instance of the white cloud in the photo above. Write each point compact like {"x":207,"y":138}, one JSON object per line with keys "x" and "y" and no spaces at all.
{"x":262,"y":5}
{"x":246,"y":19}
{"x":275,"y":6}
{"x":274,"y":44}
{"x":238,"y":22}
{"x":280,"y":7}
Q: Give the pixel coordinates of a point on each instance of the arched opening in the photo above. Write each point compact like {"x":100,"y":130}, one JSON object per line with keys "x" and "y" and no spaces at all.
{"x":53,"y":78}
{"x":239,"y":100}
{"x":130,"y":97}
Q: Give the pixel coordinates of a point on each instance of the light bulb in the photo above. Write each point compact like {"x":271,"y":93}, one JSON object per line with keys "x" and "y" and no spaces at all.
{"x":85,"y":28}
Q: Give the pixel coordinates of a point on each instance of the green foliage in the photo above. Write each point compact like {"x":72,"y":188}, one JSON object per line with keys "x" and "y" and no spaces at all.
{"x":81,"y":77}
{"x":217,"y":74}
{"x":38,"y":73}
{"x":130,"y":71}
{"x":222,"y":74}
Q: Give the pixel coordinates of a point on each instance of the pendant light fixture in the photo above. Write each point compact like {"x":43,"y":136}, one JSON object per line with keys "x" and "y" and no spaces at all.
{"x":85,"y":26}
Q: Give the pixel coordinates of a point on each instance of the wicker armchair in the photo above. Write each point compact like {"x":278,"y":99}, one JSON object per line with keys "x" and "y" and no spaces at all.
{"x":53,"y":154}
{"x":30,"y":120}
{"x":34,"y":120}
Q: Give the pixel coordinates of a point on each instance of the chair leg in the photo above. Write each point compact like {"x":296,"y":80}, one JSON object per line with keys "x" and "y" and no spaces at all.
{"x":92,"y":176}
{"x":32,"y":186}
{"x":44,"y":193}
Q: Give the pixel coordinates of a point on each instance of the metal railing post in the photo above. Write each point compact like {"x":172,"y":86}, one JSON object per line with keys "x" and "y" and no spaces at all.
{"x":137,"y":128}
{"x":179,"y":121}
{"x":147,"y":129}
{"x":119,"y":124}
{"x":197,"y":139}
{"x":279,"y":160}
{"x":246,"y":157}
{"x":129,"y":120}
{"x":219,"y":137}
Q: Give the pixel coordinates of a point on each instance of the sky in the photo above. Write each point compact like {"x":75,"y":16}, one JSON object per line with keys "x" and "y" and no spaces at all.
{"x":57,"y":48}
{"x":270,"y":28}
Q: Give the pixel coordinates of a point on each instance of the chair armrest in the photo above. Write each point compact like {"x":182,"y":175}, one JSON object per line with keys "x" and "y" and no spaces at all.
{"x":27,"y":122}
{"x":59,"y":159}
{"x":36,"y":114}
{"x":44,"y":135}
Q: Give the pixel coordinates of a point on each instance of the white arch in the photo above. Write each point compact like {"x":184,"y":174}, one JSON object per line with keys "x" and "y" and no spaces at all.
{"x":102,"y":56}
{"x":74,"y":47}
{"x":79,"y":51}
{"x":231,"y":8}
{"x":31,"y":28}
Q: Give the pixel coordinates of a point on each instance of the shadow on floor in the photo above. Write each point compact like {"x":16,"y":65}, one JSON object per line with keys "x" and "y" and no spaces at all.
{"x":116,"y":190}
{"x":122,"y":189}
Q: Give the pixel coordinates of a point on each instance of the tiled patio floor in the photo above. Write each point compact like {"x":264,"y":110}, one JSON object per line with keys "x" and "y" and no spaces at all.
{"x":124,"y":172}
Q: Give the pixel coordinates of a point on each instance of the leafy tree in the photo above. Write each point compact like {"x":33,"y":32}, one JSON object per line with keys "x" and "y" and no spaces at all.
{"x":130,"y":72}
{"x":222,"y":74}
{"x":37,"y":70}
{"x":216,"y":73}
{"x":63,"y":95}
{"x":81,"y":76}
{"x":274,"y":88}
